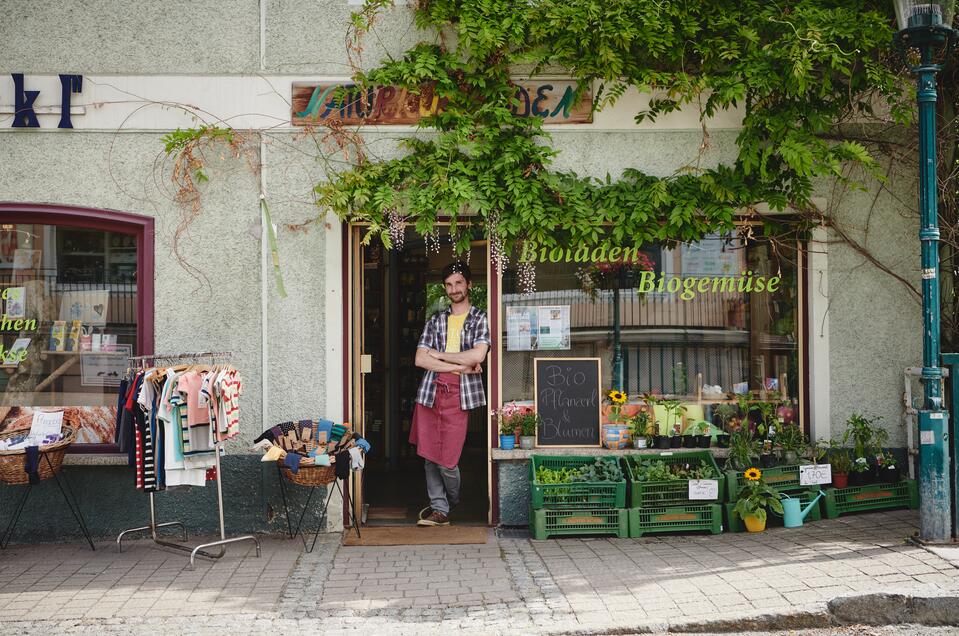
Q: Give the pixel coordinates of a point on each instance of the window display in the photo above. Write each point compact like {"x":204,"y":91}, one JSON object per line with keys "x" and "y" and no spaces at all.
{"x":69,"y":323}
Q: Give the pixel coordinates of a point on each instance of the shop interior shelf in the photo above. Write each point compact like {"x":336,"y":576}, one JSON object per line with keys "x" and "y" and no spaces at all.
{"x":805,"y":494}
{"x":602,"y":494}
{"x":838,"y":501}
{"x":545,"y":523}
{"x":675,"y":491}
{"x":689,"y":518}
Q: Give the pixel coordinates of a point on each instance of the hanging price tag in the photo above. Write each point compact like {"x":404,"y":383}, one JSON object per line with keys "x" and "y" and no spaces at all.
{"x":815,"y":474}
{"x":700,"y":489}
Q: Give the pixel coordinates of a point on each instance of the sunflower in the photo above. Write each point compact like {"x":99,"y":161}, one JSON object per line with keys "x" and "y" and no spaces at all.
{"x":753,"y":474}
{"x":617,"y":397}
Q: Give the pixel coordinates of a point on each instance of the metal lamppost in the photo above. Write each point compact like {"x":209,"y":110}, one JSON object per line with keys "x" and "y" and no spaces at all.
{"x":927,"y":28}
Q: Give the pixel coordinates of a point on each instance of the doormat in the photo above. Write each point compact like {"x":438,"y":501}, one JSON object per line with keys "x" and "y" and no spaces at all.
{"x":415,"y":535}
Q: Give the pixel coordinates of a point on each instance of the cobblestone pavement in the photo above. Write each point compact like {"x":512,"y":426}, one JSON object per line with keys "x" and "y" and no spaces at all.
{"x":508,"y":585}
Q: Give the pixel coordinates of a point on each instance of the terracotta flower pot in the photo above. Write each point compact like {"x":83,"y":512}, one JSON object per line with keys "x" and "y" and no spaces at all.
{"x":754,"y":524}
{"x":840,"y":480}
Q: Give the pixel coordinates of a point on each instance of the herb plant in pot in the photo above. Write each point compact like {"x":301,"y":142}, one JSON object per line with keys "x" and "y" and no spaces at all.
{"x":639,"y":426}
{"x":704,"y":439}
{"x":529,"y":422}
{"x":792,"y":442}
{"x":861,"y":474}
{"x":841,"y":464}
{"x":766,"y":457}
{"x":886,"y":468}
{"x":724,"y":413}
{"x":754,"y":499}
{"x":742,"y":449}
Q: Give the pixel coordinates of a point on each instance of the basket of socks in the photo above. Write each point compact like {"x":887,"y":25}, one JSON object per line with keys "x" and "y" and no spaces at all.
{"x":22,"y":461}
{"x":313,"y":453}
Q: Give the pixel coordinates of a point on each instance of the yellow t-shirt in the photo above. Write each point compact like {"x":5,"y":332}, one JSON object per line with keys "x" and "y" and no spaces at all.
{"x":454,"y":327}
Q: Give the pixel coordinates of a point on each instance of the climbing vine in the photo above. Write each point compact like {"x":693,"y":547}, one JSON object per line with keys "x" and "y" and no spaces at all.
{"x":797,"y":70}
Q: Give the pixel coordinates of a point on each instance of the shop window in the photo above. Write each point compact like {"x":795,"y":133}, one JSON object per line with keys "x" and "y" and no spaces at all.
{"x":672,"y":342}
{"x":71,"y":314}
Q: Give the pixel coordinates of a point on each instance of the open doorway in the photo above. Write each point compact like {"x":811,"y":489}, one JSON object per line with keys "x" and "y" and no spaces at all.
{"x":395,"y":292}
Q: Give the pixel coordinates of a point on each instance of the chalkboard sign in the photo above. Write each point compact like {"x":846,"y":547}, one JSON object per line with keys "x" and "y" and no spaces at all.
{"x":568,"y":399}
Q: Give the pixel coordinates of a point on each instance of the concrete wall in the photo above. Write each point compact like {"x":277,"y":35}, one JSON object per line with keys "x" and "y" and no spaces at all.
{"x":872,"y":324}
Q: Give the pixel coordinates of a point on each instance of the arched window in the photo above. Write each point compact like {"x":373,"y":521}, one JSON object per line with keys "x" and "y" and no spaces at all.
{"x":77,"y":302}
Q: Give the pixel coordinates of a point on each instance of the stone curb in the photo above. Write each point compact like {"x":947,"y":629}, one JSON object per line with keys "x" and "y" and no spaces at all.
{"x":865,"y":609}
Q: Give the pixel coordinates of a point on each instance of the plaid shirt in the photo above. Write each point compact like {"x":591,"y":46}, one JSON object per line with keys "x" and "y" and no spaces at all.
{"x":475,"y":332}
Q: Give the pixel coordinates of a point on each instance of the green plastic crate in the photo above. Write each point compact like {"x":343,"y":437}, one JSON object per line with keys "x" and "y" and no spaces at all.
{"x":839,"y":501}
{"x":676,"y":519}
{"x":545,"y":523}
{"x":665,"y":493}
{"x":778,"y":478}
{"x":601,"y":494}
{"x":807,"y":494}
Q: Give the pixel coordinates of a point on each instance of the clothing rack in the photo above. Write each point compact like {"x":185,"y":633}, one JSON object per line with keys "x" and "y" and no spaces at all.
{"x":139,"y":362}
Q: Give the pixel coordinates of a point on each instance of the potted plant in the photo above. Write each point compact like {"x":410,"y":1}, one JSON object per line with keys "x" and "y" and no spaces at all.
{"x":675,"y":439}
{"x":887,"y":471}
{"x":507,"y":435}
{"x":742,"y":448}
{"x":841,"y":464}
{"x":792,"y":443}
{"x":766,"y":457}
{"x":529,"y":422}
{"x":690,"y":439}
{"x":616,"y":432}
{"x":754,"y":499}
{"x":704,"y":438}
{"x":639,"y":428}
{"x":674,"y":421}
{"x":725,"y":413}
{"x":861,"y":473}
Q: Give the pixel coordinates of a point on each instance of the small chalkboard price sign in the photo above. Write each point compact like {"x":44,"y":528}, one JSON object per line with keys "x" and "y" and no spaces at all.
{"x":568,"y":401}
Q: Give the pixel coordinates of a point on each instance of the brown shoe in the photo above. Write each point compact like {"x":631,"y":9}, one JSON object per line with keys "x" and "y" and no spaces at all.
{"x":434,"y":519}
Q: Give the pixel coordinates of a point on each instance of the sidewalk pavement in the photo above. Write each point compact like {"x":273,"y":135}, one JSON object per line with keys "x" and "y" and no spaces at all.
{"x":511,"y":584}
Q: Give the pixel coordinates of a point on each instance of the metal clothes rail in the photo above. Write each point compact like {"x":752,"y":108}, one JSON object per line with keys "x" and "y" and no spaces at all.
{"x":139,"y":362}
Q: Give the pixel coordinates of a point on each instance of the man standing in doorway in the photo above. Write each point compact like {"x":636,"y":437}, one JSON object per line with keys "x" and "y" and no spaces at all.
{"x":452,"y":349}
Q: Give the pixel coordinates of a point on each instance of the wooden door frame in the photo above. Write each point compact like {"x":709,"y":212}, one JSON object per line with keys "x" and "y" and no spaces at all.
{"x":352,"y":342}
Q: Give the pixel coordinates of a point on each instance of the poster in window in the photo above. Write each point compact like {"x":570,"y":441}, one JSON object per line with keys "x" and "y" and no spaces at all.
{"x":89,"y":307}
{"x":104,"y":369}
{"x":16,"y":302}
{"x":520,"y":328}
{"x":552,"y":327}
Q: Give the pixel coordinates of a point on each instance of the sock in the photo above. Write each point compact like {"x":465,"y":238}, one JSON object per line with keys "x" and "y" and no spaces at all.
{"x":33,"y":464}
{"x":292,"y":461}
{"x":356,"y":458}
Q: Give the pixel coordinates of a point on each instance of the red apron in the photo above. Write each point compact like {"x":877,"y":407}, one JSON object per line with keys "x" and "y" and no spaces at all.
{"x":440,"y":432}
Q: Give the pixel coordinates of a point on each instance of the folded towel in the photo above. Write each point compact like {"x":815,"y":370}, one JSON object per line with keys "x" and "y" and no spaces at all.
{"x":292,"y":461}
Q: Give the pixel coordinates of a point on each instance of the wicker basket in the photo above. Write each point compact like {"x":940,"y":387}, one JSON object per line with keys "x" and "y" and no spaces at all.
{"x":13,"y":462}
{"x":311,"y":475}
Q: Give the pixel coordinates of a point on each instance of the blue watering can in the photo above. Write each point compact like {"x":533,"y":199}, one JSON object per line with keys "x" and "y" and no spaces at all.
{"x":793,"y":512}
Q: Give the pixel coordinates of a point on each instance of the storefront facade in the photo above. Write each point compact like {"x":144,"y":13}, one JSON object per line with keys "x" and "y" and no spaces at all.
{"x":92,"y":209}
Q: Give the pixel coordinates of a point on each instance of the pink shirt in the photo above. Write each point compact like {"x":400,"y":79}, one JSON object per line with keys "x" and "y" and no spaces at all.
{"x":189,"y":386}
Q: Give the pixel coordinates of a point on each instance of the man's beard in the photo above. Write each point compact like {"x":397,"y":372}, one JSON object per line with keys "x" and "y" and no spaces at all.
{"x":456,"y":297}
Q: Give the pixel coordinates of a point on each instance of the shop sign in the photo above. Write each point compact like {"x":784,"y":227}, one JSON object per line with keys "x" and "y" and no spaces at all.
{"x":24,"y":110}
{"x":567,"y":392}
{"x":552,"y":100}
{"x":815,"y":474}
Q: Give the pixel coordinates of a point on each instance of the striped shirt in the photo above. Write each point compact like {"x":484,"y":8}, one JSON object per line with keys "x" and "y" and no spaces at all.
{"x":475,"y":332}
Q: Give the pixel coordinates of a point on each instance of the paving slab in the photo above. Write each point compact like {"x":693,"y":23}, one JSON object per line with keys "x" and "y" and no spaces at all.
{"x":509,"y":585}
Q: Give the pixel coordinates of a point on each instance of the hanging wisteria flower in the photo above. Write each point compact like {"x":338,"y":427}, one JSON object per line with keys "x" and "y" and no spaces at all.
{"x":526,"y":275}
{"x":397,"y":229}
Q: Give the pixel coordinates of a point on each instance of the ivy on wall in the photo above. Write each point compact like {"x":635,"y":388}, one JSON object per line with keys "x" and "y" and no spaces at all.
{"x":796,"y":68}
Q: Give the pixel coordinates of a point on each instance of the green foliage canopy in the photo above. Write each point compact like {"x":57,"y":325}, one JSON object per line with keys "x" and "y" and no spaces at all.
{"x":796,"y":68}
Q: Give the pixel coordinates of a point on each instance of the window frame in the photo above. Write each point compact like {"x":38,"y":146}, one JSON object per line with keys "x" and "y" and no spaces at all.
{"x":141,"y":227}
{"x":802,"y":334}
